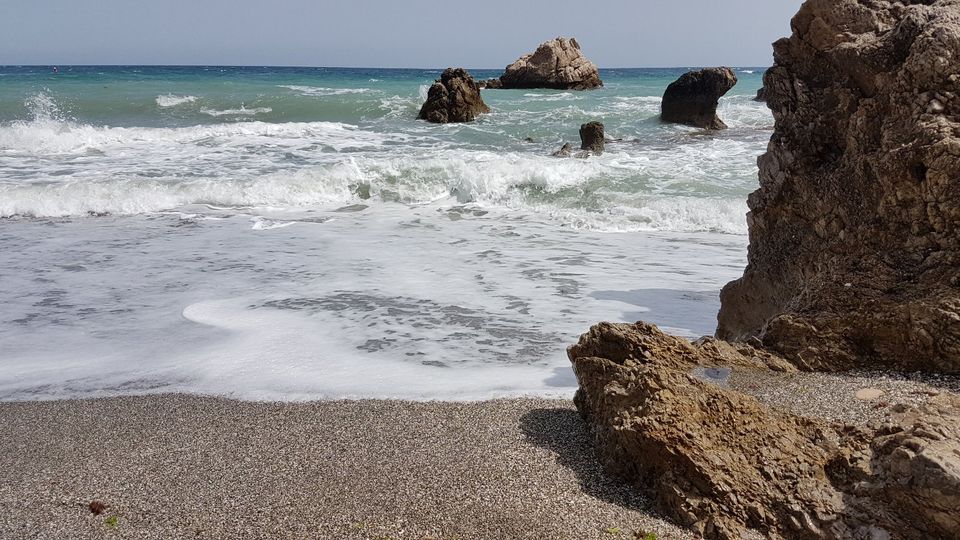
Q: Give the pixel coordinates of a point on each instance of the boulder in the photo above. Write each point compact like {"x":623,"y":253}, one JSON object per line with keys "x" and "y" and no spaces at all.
{"x":591,"y":137}
{"x":556,"y":64}
{"x":491,"y":84}
{"x":761,"y":94}
{"x":693,"y":98}
{"x":722,"y":463}
{"x":854,"y":257}
{"x":565,"y":151}
{"x":454,"y":97}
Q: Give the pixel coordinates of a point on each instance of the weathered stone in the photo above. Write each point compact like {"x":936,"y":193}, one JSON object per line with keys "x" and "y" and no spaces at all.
{"x":557,"y":64}
{"x":761,"y":94}
{"x":591,"y":137}
{"x":565,"y":151}
{"x":693,"y":98}
{"x":854,"y":253}
{"x":454,"y":97}
{"x":491,"y":84}
{"x":722,"y":463}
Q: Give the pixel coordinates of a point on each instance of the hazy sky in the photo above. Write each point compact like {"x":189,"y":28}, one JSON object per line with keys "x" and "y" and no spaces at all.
{"x":388,"y":33}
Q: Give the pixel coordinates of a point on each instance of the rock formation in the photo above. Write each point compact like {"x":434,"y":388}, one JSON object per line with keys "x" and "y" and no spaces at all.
{"x":693,"y":98}
{"x":565,"y":151}
{"x":556,"y":64}
{"x":761,"y":94}
{"x":854,"y":255}
{"x":491,"y":84}
{"x":591,"y":137}
{"x":722,"y":463}
{"x":454,"y":97}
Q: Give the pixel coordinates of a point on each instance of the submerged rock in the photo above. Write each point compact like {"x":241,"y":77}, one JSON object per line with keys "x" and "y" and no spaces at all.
{"x":454,"y":97}
{"x":721,"y":463}
{"x":854,"y":256}
{"x":591,"y":137}
{"x":693,"y":98}
{"x":557,"y":64}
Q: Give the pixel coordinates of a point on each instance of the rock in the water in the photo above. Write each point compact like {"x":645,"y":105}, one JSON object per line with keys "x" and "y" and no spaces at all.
{"x":591,"y":137}
{"x":556,"y":64}
{"x":761,"y":94}
{"x":693,"y":98}
{"x":565,"y":151}
{"x":854,"y":253}
{"x":722,"y":463}
{"x":454,"y":97}
{"x":491,"y":83}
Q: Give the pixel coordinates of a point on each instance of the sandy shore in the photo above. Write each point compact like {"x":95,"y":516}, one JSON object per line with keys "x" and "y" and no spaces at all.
{"x":175,"y":466}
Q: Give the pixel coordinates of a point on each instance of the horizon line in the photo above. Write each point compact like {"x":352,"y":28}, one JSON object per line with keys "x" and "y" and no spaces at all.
{"x":305,"y":66}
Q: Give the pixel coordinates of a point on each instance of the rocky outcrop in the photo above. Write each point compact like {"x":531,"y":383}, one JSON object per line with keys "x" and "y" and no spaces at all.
{"x":693,"y":98}
{"x":454,"y":97}
{"x":565,"y":151}
{"x":722,"y":463}
{"x":557,"y":64}
{"x":854,"y":255}
{"x":761,"y":95}
{"x":591,"y":137}
{"x":491,"y":84}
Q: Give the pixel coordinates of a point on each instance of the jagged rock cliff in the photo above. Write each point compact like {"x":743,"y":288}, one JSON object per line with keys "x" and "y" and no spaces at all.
{"x":454,"y":97}
{"x":854,"y":253}
{"x":557,"y":64}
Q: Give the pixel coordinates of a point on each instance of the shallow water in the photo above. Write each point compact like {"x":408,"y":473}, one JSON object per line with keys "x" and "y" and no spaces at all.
{"x":165,"y":231}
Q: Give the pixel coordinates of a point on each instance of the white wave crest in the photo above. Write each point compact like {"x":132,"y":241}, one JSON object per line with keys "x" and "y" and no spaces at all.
{"x":242,"y":111}
{"x":321,"y":91}
{"x":170,"y":100}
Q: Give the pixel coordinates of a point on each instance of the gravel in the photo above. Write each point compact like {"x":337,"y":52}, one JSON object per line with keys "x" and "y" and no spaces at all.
{"x":833,"y":396}
{"x":177,"y":466}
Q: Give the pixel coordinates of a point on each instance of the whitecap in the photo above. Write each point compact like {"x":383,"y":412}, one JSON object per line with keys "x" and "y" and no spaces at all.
{"x":242,"y":111}
{"x":320,"y":91}
{"x":170,"y":100}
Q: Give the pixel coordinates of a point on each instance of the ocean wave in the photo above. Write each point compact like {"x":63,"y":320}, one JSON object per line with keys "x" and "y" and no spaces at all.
{"x":321,"y":91}
{"x":242,"y":111}
{"x":170,"y":100}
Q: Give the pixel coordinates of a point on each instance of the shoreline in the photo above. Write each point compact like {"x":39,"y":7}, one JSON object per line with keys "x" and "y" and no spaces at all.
{"x":178,"y":465}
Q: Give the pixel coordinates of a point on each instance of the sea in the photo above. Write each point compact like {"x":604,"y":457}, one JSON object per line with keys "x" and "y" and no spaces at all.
{"x":269,"y":233}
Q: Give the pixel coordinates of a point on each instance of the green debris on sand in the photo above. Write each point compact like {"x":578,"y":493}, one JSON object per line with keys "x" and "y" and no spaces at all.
{"x":110,"y":521}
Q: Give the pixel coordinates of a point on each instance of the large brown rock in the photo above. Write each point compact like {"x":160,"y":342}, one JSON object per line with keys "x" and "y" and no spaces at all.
{"x":693,"y":98}
{"x":454,"y":97}
{"x":592,"y":137}
{"x":557,"y":64}
{"x":722,"y":463}
{"x":854,"y":255}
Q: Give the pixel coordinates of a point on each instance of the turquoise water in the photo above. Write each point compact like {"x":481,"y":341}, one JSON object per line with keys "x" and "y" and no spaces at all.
{"x":291,"y":233}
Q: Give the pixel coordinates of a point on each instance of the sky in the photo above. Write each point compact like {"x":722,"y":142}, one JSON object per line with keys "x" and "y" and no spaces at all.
{"x":389,"y":33}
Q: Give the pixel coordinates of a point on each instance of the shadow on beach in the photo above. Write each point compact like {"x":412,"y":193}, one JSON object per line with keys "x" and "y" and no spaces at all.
{"x":564,"y":433}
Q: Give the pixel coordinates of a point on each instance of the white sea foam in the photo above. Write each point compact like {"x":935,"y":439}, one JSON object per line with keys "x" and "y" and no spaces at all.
{"x":170,"y":100}
{"x":324,"y":91}
{"x":242,"y":111}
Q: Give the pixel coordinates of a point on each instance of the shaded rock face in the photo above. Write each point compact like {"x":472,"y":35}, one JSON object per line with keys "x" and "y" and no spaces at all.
{"x":491,"y":84}
{"x":722,"y":463}
{"x":565,"y":151}
{"x":591,"y":137}
{"x":693,"y":98}
{"x":556,"y":64}
{"x":761,"y":94}
{"x":454,"y":97}
{"x":854,"y":255}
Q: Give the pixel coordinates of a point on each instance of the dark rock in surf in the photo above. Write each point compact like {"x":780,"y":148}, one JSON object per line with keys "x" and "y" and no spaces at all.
{"x":565,"y":151}
{"x":454,"y":97}
{"x":491,"y":84}
{"x":591,"y":137}
{"x":693,"y":98}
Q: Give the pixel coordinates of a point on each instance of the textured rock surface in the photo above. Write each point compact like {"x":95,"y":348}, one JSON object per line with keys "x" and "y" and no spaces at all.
{"x":565,"y":151}
{"x":854,"y":253}
{"x":693,"y":98}
{"x":454,"y":97}
{"x":761,"y":95}
{"x":591,"y":137}
{"x":722,"y":463}
{"x":490,"y":83}
{"x":556,"y":64}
